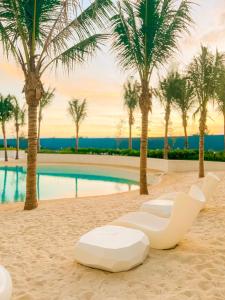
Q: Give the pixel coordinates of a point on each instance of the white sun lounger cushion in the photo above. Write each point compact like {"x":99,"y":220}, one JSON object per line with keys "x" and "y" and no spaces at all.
{"x":158,"y":207}
{"x":112,"y":248}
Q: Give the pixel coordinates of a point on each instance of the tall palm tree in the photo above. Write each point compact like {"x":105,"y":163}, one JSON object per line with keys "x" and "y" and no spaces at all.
{"x":19,"y":119}
{"x":78,"y":111}
{"x":145,"y":35}
{"x":46,"y":99}
{"x":220,"y":95}
{"x":166,"y":93}
{"x":131,"y":96}
{"x":184,"y":100}
{"x":43,"y":34}
{"x":203,"y":72}
{"x":6,"y":112}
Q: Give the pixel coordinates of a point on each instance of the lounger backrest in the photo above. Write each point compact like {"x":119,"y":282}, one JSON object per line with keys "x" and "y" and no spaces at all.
{"x":185,"y":211}
{"x":196,"y":193}
{"x":209,"y":185}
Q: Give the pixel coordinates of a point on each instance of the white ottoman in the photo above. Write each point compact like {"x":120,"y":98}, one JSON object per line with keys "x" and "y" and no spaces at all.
{"x":5,"y":284}
{"x":112,"y":248}
{"x":159,"y":207}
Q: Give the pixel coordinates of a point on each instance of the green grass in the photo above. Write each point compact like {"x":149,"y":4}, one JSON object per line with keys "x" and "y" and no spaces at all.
{"x":173,"y":154}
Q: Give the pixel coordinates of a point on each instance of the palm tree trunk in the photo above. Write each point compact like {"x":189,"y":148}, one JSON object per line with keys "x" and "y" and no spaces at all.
{"x":144,"y":153}
{"x":166,"y":142}
{"x":77,"y":138}
{"x":31,"y":197}
{"x":184,"y":117}
{"x":201,"y":156}
{"x":5,"y":141}
{"x":17,"y":141}
{"x":130,"y":129}
{"x":202,"y":128}
{"x":39,"y":130}
{"x":224,"y":129}
{"x":33,"y":92}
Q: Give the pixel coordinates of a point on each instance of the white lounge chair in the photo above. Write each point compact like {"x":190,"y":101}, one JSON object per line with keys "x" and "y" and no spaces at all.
{"x":165,"y":233}
{"x":163,"y":205}
{"x":5,"y":284}
{"x":209,"y":185}
{"x":112,"y":248}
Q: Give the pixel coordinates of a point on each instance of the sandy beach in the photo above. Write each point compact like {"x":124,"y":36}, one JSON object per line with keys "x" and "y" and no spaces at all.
{"x":37,"y":247}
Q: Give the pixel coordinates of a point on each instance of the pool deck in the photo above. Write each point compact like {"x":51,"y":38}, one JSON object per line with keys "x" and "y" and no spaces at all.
{"x":37,"y":247}
{"x":123,"y":167}
{"x":129,"y":162}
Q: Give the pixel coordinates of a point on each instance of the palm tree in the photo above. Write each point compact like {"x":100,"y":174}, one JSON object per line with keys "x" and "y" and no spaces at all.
{"x":166,"y":93}
{"x":184,"y":100}
{"x":78,"y":111}
{"x":131,"y":96}
{"x":19,"y":119}
{"x":42,"y":34}
{"x":220,"y":95}
{"x":203,"y":72}
{"x":6,"y":112}
{"x":144,"y":36}
{"x":46,"y":99}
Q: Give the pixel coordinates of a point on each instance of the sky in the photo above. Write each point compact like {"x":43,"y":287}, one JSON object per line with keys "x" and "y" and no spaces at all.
{"x":101,"y":80}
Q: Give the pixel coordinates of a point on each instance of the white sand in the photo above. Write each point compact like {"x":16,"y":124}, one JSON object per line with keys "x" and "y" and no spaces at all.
{"x":37,"y":248}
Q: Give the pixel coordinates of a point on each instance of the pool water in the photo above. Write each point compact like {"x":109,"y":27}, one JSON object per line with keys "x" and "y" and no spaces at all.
{"x":55,"y":182}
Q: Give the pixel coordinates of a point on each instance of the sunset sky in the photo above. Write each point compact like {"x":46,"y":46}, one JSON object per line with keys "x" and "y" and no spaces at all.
{"x":100,"y":81}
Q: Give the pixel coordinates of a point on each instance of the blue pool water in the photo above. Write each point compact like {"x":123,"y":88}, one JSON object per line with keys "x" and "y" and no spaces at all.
{"x":54,"y":182}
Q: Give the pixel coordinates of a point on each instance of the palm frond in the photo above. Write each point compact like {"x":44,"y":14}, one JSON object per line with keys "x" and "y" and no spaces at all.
{"x":201,"y":73}
{"x":170,"y":23}
{"x":6,"y":108}
{"x":79,"y":52}
{"x":184,"y":96}
{"x":167,"y":90}
{"x":78,"y":110}
{"x":47,"y":97}
{"x":85,"y":23}
{"x":126,"y":37}
{"x":220,"y":87}
{"x":131,"y":94}
{"x":145,"y":33}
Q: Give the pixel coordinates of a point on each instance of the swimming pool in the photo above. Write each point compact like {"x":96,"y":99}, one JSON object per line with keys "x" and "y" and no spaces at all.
{"x":55,"y":182}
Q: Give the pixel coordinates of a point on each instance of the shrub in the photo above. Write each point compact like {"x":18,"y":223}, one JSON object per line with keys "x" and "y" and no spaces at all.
{"x":190,"y":154}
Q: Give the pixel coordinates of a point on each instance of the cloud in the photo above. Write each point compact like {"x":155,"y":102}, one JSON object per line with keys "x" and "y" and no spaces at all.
{"x":214,"y":37}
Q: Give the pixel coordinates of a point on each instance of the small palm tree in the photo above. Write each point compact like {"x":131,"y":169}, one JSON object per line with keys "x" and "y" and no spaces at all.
{"x":220,"y":95}
{"x":6,"y":113}
{"x":131,"y":97}
{"x":166,"y":93}
{"x":46,"y":99}
{"x":19,"y":119}
{"x":203,"y":72}
{"x":144,"y":36}
{"x":184,"y":100}
{"x":43,"y":34}
{"x":78,"y":111}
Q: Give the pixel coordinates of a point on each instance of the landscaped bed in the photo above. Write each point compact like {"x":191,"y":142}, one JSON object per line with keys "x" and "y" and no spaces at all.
{"x":191,"y":154}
